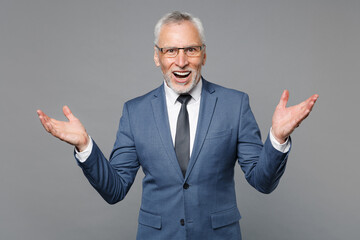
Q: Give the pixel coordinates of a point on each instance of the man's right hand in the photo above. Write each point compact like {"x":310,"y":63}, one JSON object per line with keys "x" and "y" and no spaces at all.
{"x":72,"y":132}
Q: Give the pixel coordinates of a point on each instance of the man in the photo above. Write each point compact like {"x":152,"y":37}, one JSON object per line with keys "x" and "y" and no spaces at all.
{"x":186,"y":135}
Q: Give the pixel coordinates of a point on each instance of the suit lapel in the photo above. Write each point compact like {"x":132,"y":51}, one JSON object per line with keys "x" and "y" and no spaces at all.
{"x":162,"y":123}
{"x":206,"y":111}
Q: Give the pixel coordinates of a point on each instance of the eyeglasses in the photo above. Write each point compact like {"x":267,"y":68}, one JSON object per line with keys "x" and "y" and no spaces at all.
{"x":171,"y":52}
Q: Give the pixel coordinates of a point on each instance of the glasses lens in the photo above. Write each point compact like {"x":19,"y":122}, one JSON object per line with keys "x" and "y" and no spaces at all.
{"x":170,"y":52}
{"x":193,"y":51}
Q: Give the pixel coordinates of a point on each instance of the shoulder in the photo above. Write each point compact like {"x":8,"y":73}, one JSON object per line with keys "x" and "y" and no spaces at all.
{"x":146,"y":98}
{"x":143,"y":104}
{"x":223,"y":92}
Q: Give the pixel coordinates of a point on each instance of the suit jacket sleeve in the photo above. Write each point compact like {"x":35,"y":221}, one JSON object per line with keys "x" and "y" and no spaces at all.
{"x":113,"y":179}
{"x":263,"y":165}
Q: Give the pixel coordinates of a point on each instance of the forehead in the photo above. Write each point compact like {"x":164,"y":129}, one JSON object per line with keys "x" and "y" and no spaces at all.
{"x":179,"y":35}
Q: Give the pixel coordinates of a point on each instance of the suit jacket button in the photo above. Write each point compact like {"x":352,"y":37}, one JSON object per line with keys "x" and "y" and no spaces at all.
{"x":182,"y":222}
{"x":186,"y":186}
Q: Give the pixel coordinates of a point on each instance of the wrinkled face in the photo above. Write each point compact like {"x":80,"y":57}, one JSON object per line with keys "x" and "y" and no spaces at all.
{"x":182,"y":72}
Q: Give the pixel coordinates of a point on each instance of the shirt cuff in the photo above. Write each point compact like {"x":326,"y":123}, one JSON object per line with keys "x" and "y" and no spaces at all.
{"x":281,"y":147}
{"x":82,"y":156}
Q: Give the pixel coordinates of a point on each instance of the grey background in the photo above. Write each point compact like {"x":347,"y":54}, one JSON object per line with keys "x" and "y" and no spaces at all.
{"x":95,"y":55}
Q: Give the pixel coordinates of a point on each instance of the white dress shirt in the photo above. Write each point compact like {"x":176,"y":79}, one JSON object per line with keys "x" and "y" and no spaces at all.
{"x":173,"y":108}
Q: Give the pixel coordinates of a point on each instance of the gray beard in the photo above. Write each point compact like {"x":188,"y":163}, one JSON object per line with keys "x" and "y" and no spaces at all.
{"x":193,"y":83}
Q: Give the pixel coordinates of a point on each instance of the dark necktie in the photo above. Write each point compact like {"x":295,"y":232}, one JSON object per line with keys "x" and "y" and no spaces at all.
{"x":182,"y":137}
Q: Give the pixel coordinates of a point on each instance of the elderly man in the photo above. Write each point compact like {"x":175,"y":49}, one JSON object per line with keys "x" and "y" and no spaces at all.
{"x":187,"y":136}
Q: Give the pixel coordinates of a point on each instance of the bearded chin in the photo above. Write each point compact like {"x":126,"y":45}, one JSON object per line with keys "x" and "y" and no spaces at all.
{"x":183,"y":89}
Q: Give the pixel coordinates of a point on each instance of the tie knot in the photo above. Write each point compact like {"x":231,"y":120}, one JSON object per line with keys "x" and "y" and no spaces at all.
{"x":184,"y":98}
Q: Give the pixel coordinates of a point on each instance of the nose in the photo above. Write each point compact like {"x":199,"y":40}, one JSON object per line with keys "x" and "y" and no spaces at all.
{"x":181,"y":60}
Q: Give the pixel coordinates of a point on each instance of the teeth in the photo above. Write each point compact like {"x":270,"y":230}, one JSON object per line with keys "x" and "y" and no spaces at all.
{"x":182,"y":73}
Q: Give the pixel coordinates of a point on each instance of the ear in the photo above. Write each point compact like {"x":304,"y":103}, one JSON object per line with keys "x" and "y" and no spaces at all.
{"x":156,"y":57}
{"x":204,"y":59}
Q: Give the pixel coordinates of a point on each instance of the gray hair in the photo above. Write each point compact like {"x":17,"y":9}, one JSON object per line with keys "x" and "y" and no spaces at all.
{"x":177,"y":17}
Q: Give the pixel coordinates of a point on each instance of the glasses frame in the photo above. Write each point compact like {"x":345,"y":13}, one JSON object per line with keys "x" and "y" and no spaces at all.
{"x":178,"y":49}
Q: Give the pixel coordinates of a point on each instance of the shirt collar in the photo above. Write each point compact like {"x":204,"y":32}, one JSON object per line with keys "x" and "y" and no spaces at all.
{"x":172,"y":96}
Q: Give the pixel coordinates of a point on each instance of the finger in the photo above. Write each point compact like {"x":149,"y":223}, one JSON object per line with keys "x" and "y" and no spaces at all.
{"x":55,"y":132}
{"x":68,"y":114}
{"x":314,"y":98}
{"x":40,"y":113}
{"x":306,"y":107}
{"x":284,"y":99}
{"x":310,"y":102}
{"x":43,"y":119}
{"x":44,"y":124}
{"x":48,"y":124}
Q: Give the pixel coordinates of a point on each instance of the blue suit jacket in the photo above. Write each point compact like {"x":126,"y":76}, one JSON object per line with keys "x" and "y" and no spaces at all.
{"x":203,"y":204}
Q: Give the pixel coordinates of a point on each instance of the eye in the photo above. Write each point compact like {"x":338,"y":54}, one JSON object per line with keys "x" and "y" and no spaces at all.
{"x":170,"y":50}
{"x":191,"y":49}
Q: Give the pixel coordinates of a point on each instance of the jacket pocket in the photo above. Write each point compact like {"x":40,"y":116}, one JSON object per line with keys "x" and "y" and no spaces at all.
{"x":218,"y":134}
{"x":224,"y":218}
{"x":149,"y":219}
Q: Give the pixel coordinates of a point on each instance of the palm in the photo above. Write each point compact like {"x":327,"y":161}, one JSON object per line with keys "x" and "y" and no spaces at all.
{"x":72,"y":132}
{"x":286,"y":119}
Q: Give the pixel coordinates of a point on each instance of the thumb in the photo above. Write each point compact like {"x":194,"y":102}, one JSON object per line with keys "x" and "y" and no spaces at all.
{"x":284,"y":99}
{"x":68,"y":114}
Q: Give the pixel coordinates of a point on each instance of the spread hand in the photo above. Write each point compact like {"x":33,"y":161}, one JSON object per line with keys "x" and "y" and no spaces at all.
{"x":72,"y":132}
{"x":286,"y":119}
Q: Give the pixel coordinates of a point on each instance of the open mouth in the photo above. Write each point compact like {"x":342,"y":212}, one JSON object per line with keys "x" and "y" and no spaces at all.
{"x":183,"y":74}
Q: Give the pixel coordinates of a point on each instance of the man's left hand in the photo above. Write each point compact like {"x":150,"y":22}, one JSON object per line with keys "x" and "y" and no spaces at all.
{"x":286,"y":119}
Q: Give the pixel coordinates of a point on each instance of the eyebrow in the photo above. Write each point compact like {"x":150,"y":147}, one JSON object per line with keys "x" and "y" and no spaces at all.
{"x":192,"y":45}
